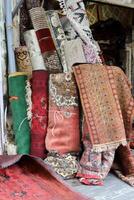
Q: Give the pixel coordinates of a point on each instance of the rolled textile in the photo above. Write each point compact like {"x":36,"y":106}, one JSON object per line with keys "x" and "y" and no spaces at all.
{"x":23,"y":61}
{"x":76,"y":14}
{"x":101,"y":106}
{"x":46,"y":43}
{"x":63,"y":134}
{"x":31,"y":179}
{"x":19,"y":111}
{"x":25,"y":22}
{"x":34,"y":50}
{"x":39,"y":112}
{"x":74,"y":53}
{"x":93,"y":166}
{"x":58,"y":35}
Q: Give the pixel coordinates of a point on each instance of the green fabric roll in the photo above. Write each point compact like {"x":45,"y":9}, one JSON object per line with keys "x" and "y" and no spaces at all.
{"x":17,"y":92}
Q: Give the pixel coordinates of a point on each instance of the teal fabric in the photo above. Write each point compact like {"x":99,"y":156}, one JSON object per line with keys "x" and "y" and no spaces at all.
{"x":17,"y":92}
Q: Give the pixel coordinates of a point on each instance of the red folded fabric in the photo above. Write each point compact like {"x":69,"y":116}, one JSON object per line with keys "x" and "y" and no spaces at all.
{"x":39,"y":112}
{"x":45,"y":40}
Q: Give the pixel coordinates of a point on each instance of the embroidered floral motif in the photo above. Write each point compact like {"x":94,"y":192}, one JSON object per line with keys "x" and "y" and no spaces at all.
{"x":65,"y":165}
{"x":65,"y":93}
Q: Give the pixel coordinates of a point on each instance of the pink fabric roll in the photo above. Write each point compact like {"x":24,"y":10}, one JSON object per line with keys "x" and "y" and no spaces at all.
{"x":63,"y":127}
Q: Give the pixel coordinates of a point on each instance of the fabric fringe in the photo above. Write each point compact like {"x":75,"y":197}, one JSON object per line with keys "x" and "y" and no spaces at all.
{"x":29,"y":101}
{"x":107,"y":147}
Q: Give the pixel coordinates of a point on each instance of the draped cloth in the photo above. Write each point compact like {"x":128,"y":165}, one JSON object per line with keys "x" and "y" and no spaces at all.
{"x":17,"y":93}
{"x":39,"y":112}
{"x":46,"y":42}
{"x":38,"y":182}
{"x":107,"y":103}
{"x":109,"y":112}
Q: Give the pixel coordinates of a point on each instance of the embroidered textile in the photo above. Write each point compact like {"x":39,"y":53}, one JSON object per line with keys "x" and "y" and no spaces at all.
{"x":23,"y":60}
{"x":74,"y":53}
{"x":19,"y":111}
{"x":76,"y":14}
{"x":25,"y":177}
{"x":34,"y":50}
{"x":93,"y":166}
{"x":101,"y":105}
{"x":58,"y":34}
{"x":63,"y":124}
{"x":39,"y":112}
{"x":65,"y":165}
{"x":46,"y":43}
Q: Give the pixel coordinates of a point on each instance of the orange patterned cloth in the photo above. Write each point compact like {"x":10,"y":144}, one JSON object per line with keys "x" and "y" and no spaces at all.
{"x":107,"y":103}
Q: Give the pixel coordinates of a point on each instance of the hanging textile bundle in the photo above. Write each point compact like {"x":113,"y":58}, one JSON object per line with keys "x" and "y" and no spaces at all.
{"x":19,"y":111}
{"x":23,"y":61}
{"x":46,"y":43}
{"x":63,"y":126}
{"x":34,"y":50}
{"x":39,"y":112}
